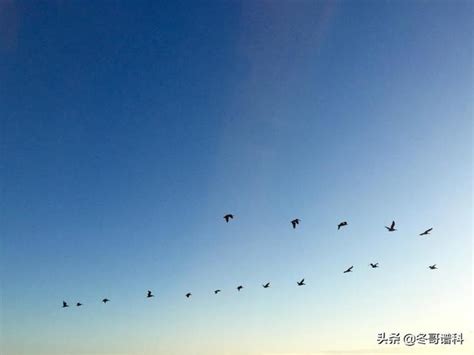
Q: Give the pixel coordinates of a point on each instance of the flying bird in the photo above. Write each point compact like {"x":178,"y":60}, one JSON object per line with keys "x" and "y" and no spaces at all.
{"x":188,"y":295}
{"x":426,"y":232}
{"x":376,"y":265}
{"x":78,"y":304}
{"x":239,"y":288}
{"x":105,"y":300}
{"x":342,"y":224}
{"x":216,"y":292}
{"x":348,"y":270}
{"x":295,"y":222}
{"x":149,"y":294}
{"x":433,"y":267}
{"x":228,"y":217}
{"x":392,"y":227}
{"x":267,"y":285}
{"x":301,"y":283}
{"x":65,"y":304}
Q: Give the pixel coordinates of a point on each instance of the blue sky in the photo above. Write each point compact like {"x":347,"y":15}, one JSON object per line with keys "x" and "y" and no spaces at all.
{"x":130,"y":128}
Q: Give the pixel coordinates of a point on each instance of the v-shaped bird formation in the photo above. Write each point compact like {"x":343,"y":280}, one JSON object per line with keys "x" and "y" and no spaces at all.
{"x":295,"y":222}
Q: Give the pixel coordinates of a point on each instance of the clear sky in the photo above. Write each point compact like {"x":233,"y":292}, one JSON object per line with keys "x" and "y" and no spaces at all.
{"x":129,"y":128}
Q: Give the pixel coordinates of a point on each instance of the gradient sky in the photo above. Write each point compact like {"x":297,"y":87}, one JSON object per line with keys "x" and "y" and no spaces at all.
{"x":129,"y":128}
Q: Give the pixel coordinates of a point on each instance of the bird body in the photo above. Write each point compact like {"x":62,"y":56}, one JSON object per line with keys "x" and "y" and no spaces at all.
{"x":105,"y":300}
{"x":216,"y":292}
{"x":433,"y":267}
{"x":342,"y":224}
{"x":376,"y":265}
{"x":149,"y":294}
{"x":267,"y":285}
{"x":301,"y":283}
{"x":189,"y":294}
{"x":392,"y":227}
{"x":426,"y":232}
{"x":78,"y":304}
{"x":239,"y":288}
{"x":295,"y":222}
{"x":349,"y":269}
{"x":65,"y":304}
{"x":228,"y":217}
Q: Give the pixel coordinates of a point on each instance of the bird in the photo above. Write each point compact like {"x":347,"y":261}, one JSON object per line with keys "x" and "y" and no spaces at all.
{"x":295,"y":222}
{"x":78,"y":304}
{"x":228,"y":217}
{"x":301,"y":283}
{"x":433,"y":267}
{"x":376,"y":265}
{"x":239,"y":288}
{"x":188,"y":294}
{"x":267,"y":285}
{"x":426,"y":232}
{"x":342,"y":224}
{"x":216,"y":292}
{"x":65,"y":304}
{"x":392,"y":227}
{"x":348,"y":270}
{"x":105,"y":300}
{"x":149,"y":294}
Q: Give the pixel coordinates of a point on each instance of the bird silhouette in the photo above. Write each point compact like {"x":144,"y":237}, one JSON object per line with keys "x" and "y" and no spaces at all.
{"x":65,"y":304}
{"x":349,"y":269}
{"x":301,"y":283}
{"x":376,"y":265}
{"x":105,"y":300}
{"x":433,"y":267}
{"x":342,"y":224}
{"x":295,"y":222}
{"x":392,"y":227}
{"x":188,"y":294}
{"x":228,"y":217}
{"x":78,"y":304}
{"x":239,"y":288}
{"x":426,"y":232}
{"x":267,"y":285}
{"x":216,"y":292}
{"x":149,"y":294}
